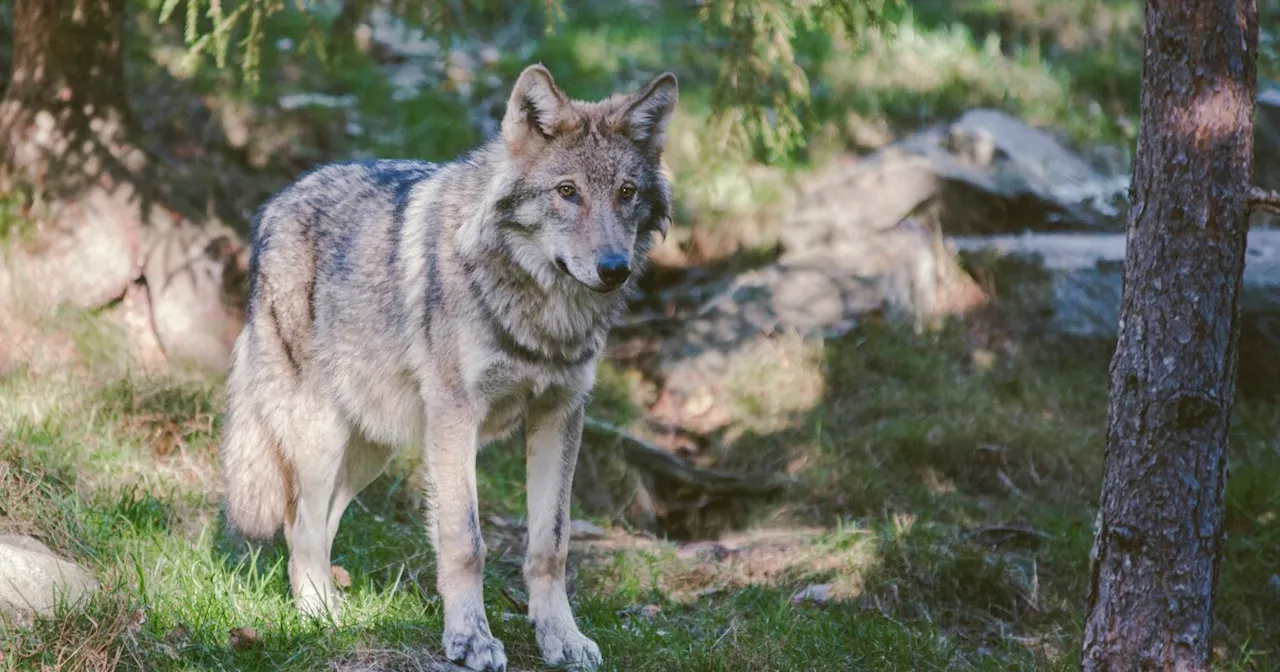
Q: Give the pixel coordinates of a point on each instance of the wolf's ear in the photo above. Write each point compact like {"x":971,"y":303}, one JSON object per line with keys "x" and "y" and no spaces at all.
{"x":644,"y":118}
{"x":535,"y":110}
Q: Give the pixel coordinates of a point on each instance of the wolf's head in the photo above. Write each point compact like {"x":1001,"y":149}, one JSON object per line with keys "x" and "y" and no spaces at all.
{"x":587,"y":188}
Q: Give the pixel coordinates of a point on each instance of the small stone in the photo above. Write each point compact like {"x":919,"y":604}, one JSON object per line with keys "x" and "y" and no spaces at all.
{"x":341,"y":578}
{"x":648,"y":612}
{"x":983,"y":359}
{"x":178,"y":635}
{"x":709,"y":592}
{"x":363,"y":37}
{"x":137,"y":619}
{"x":582,"y":529}
{"x":704,"y":550}
{"x":243,"y":639}
{"x":699,"y":403}
{"x":818,"y":593}
{"x":503,"y":521}
{"x":33,"y":580}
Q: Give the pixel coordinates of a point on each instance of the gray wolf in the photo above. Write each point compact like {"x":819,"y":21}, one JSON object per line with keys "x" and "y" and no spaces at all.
{"x":402,"y":303}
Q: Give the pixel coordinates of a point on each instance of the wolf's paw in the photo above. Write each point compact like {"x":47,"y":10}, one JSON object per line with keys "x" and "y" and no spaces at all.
{"x":565,"y":645}
{"x":475,"y":648}
{"x":325,"y":606}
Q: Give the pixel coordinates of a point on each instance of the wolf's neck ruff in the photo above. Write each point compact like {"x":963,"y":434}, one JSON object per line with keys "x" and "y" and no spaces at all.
{"x":535,"y":312}
{"x":563,"y":325}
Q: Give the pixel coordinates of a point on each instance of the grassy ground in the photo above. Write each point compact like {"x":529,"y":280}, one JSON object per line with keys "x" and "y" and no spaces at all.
{"x":946,"y":508}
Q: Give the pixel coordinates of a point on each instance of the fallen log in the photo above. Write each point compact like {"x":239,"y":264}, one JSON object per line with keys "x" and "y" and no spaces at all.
{"x":646,"y":457}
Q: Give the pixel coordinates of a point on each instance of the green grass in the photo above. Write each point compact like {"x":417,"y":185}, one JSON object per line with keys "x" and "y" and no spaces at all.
{"x":86,"y":478}
{"x":948,"y":508}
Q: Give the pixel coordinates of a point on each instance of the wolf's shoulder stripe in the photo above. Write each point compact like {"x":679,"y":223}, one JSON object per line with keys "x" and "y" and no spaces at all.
{"x":402,"y":177}
{"x":388,"y":172}
{"x":433,"y":242}
{"x":284,"y":341}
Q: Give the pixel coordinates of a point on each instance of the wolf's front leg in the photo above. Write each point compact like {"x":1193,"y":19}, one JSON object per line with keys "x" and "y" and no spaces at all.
{"x":553,"y":436}
{"x":451,"y":443}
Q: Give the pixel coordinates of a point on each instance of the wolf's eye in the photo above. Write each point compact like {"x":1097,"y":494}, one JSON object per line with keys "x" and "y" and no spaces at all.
{"x":626,"y":192}
{"x":567,"y":190}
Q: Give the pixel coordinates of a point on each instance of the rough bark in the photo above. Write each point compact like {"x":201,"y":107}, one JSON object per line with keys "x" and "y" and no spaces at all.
{"x":67,"y":89}
{"x":1159,"y":537}
{"x":69,"y":146}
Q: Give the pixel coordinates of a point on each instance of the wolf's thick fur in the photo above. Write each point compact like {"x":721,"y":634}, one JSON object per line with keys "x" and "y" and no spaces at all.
{"x":402,"y":302}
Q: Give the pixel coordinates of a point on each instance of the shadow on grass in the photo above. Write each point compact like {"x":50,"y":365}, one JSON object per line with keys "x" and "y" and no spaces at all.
{"x":979,"y":482}
{"x":946,"y":506}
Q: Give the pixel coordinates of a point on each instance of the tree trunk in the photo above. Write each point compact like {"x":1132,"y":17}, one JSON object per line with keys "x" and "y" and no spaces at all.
{"x":1159,"y":537}
{"x":66,"y":97}
{"x":69,"y":146}
{"x":66,"y":141}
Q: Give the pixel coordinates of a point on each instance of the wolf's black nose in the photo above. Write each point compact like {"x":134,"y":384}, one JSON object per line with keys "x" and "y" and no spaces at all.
{"x":614,"y":269}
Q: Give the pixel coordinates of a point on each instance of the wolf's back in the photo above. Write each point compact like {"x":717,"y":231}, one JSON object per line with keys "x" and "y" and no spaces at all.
{"x":306,"y":234}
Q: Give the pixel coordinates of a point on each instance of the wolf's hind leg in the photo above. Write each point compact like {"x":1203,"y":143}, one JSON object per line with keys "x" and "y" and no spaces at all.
{"x":362,"y":462}
{"x":316,"y":444}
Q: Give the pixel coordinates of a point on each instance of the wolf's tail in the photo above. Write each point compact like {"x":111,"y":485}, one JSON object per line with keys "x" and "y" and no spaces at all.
{"x":255,"y":473}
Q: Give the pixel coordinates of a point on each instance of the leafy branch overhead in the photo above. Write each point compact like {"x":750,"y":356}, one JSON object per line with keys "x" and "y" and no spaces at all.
{"x":762,"y":90}
{"x":761,"y":94}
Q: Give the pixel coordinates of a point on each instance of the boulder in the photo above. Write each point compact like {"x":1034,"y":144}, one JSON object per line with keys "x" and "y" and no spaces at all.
{"x":1085,"y":277}
{"x":867,"y":235}
{"x":33,"y":580}
{"x":192,"y":275}
{"x":985,"y":173}
{"x":1086,"y":273}
{"x":175,"y":286}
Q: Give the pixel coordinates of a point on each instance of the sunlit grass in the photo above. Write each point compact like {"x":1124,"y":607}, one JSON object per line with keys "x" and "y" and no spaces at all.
{"x":947,"y":510}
